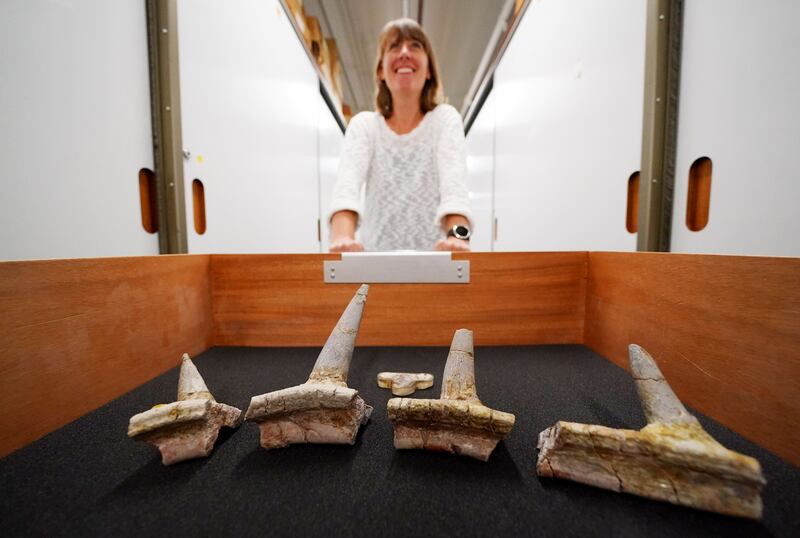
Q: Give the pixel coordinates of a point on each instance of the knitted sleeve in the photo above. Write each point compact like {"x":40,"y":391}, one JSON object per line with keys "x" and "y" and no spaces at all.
{"x":451,"y":164}
{"x":353,"y":164}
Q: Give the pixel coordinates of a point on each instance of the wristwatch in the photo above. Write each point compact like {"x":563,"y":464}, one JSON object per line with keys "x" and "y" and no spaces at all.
{"x":459,"y":231}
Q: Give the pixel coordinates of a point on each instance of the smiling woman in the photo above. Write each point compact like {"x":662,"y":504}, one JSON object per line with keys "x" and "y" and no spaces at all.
{"x":409,"y":155}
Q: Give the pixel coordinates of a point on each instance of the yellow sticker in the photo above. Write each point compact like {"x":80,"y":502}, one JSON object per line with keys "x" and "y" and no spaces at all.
{"x":199,"y":158}
{"x":158,"y":405}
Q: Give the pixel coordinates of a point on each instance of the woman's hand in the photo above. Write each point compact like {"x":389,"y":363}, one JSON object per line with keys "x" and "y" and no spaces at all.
{"x":346,"y":244}
{"x":343,"y":232}
{"x":452,"y":244}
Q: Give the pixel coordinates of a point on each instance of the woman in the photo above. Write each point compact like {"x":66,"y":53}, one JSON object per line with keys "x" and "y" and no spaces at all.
{"x":410,"y":153}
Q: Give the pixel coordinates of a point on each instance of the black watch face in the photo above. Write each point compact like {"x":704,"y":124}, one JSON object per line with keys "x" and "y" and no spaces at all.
{"x":462,"y":232}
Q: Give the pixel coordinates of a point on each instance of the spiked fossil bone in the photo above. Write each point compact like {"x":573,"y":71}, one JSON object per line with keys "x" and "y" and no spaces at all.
{"x":671,"y":459}
{"x":323,"y":409}
{"x":403,"y":384}
{"x":457,"y":422}
{"x":187,"y":428}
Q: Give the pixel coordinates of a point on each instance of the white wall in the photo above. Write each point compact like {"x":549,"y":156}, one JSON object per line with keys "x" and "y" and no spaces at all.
{"x":480,"y":175}
{"x":250,"y":121}
{"x":568,"y":95}
{"x":74,"y":129}
{"x":740,"y":106}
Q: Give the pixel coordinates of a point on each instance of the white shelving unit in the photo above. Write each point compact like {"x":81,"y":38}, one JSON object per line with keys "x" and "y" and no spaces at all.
{"x":480,"y":175}
{"x":568,"y":126}
{"x":330,"y":148}
{"x":549,"y":154}
{"x":250,"y":119}
{"x":739,"y":107}
{"x":76,"y":129}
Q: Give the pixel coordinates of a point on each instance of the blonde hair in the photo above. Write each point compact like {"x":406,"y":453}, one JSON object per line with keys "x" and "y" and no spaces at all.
{"x":407,"y":29}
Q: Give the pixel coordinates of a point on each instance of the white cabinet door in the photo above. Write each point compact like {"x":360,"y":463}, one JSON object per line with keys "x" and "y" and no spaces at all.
{"x":249,"y":98}
{"x":330,"y":149}
{"x":568,"y":97}
{"x":76,"y":129}
{"x":480,"y":175}
{"x":740,"y":107}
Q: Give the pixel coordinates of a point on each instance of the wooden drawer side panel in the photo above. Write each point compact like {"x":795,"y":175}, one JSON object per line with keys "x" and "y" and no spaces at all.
{"x":725,"y":331}
{"x":75,"y":334}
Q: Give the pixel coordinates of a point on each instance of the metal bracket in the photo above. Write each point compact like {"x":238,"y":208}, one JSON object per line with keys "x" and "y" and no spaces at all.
{"x":396,"y":267}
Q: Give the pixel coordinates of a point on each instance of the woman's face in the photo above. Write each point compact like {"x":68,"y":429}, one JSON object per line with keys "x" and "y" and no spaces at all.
{"x":404,"y":67}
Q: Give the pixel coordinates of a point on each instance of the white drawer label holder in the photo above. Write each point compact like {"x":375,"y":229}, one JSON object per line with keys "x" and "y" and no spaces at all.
{"x":401,"y":267}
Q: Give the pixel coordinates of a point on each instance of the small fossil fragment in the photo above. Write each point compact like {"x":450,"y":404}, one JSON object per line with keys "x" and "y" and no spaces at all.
{"x":187,"y":428}
{"x":671,"y":459}
{"x":323,"y":409}
{"x":457,"y":422}
{"x":403,"y":384}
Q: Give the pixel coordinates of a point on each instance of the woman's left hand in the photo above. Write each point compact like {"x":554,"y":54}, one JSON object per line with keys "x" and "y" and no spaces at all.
{"x":452,"y":244}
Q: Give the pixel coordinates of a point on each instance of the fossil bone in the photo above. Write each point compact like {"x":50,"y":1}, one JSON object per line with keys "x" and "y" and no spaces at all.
{"x":323,"y":409}
{"x":187,"y":428}
{"x":457,"y":422}
{"x":403,"y":384}
{"x":671,"y":459}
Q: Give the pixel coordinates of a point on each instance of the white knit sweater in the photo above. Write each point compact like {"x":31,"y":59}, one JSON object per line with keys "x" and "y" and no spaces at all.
{"x":411,"y":181}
